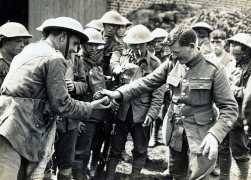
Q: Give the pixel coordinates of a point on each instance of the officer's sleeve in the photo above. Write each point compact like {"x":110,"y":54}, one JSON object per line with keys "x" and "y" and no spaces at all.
{"x":246,"y":106}
{"x":60,"y":101}
{"x":80,"y":83}
{"x":146,"y":84}
{"x":226,"y":103}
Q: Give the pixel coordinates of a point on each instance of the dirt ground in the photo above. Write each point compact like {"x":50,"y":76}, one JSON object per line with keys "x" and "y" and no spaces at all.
{"x":156,"y":166}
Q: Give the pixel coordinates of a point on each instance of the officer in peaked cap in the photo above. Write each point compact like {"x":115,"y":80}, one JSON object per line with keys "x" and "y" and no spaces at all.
{"x":33,"y":92}
{"x":240,"y":48}
{"x":195,"y":84}
{"x":135,"y":116}
{"x":12,"y":41}
{"x":203,"y":30}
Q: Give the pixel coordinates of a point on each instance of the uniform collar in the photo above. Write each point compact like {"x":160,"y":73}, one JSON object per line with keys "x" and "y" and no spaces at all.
{"x":195,"y":60}
{"x":5,"y":57}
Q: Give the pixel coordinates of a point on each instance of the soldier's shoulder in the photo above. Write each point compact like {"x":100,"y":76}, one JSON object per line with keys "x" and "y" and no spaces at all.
{"x":57,"y":55}
{"x":209,"y":59}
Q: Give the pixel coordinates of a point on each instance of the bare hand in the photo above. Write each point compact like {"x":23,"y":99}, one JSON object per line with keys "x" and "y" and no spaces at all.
{"x":97,"y":104}
{"x":148,"y":121}
{"x":114,"y":105}
{"x":210,"y":144}
{"x":70,"y":85}
{"x":111,"y":94}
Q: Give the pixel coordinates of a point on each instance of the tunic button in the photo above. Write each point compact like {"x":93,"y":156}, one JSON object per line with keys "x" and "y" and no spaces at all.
{"x":183,"y":94}
{"x":201,"y":87}
{"x":187,"y":68}
{"x":184,"y":80}
{"x":211,"y":119}
{"x":183,"y":105}
{"x":182,"y":117}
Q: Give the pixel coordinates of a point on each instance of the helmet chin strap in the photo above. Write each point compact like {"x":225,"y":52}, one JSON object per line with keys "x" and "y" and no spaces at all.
{"x":68,"y":36}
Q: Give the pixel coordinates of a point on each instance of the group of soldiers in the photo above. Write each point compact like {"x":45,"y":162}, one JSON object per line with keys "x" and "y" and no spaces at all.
{"x":193,"y":80}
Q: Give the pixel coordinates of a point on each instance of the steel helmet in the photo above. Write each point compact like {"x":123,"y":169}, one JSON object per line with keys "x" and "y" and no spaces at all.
{"x":94,"y":36}
{"x":68,"y":24}
{"x":112,"y":17}
{"x":45,"y":23}
{"x":138,"y":34}
{"x":159,"y":33}
{"x":13,"y":29}
{"x":202,"y":25}
{"x":242,"y":38}
{"x":96,"y":24}
{"x":127,"y":22}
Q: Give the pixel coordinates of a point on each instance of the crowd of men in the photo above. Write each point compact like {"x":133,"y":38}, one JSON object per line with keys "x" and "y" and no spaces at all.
{"x":59,"y":95}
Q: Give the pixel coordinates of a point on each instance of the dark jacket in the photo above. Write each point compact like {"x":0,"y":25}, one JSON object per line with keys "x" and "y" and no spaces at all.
{"x":147,"y":103}
{"x":36,"y":76}
{"x":4,"y":67}
{"x":193,"y":88}
{"x":246,"y":105}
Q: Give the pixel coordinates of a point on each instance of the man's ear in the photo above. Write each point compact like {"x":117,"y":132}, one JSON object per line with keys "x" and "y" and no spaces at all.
{"x":192,"y":45}
{"x":63,"y":36}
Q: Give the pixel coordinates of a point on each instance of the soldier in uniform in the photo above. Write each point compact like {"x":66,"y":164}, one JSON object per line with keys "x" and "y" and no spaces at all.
{"x":112,"y":48}
{"x":240,"y":48}
{"x":95,"y":121}
{"x":121,"y":32}
{"x":135,"y":116}
{"x":162,"y":52}
{"x":12,"y":37}
{"x":203,"y":30}
{"x":195,"y":84}
{"x":34,"y":91}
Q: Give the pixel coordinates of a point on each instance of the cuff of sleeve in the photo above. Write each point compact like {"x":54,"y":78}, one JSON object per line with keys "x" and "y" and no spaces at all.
{"x":125,"y":94}
{"x":219,"y":130}
{"x":88,"y":109}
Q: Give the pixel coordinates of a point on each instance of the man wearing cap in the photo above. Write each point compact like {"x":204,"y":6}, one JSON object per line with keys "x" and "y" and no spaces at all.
{"x":240,"y":48}
{"x":12,"y":42}
{"x":120,"y":34}
{"x":203,"y":30}
{"x":34,"y":91}
{"x":135,"y":116}
{"x":94,"y":123}
{"x":195,"y":84}
{"x":112,"y":49}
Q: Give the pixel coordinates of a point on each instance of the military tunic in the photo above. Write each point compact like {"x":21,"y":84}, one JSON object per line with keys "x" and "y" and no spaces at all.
{"x":194,"y":87}
{"x":36,"y":76}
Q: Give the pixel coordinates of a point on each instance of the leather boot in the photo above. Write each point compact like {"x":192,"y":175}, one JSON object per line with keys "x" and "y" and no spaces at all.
{"x":137,"y":166}
{"x":225,"y":161}
{"x":154,"y":136}
{"x":243,"y":168}
{"x":111,"y":167}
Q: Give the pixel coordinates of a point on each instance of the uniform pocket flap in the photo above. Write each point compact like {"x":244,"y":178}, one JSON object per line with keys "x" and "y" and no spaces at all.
{"x":200,"y":84}
{"x":173,"y":80}
{"x":145,"y":99}
{"x":205,"y":117}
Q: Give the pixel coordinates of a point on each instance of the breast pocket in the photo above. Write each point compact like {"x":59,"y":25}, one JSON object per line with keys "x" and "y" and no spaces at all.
{"x":173,"y":82}
{"x":200,"y":91}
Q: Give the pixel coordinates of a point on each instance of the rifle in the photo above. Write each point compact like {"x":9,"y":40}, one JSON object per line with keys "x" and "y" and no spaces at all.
{"x":104,"y":157}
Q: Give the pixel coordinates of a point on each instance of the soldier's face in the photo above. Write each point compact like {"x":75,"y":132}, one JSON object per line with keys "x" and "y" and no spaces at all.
{"x":138,"y":49}
{"x":121,"y":30}
{"x":183,"y":53}
{"x":217,"y":45}
{"x":91,"y":48}
{"x":73,"y":43}
{"x":237,"y":52}
{"x":110,"y":29}
{"x":157,"y":44}
{"x":14,"y":46}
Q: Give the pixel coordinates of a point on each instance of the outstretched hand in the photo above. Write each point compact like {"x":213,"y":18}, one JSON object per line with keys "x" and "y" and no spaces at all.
{"x":99,"y":104}
{"x":210,"y":144}
{"x":111,"y":94}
